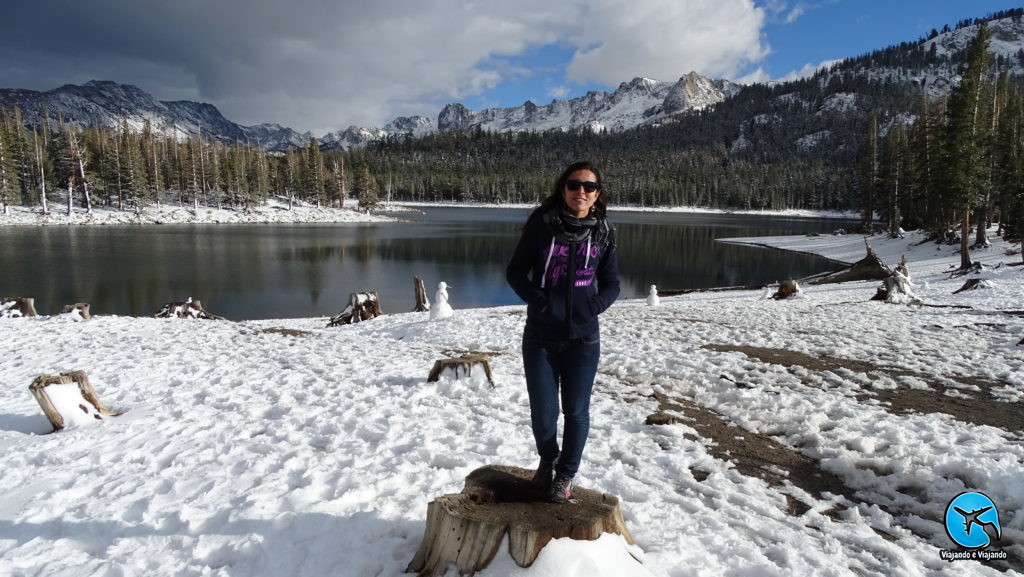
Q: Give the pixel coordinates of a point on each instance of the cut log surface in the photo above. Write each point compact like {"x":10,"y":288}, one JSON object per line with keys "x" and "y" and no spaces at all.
{"x":466,"y":529}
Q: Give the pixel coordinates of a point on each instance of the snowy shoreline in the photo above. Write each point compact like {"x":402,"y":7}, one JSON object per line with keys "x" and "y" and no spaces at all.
{"x":282,"y":447}
{"x":276,"y":211}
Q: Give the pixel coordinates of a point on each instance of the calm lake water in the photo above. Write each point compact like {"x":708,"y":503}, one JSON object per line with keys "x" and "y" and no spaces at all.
{"x":284,"y":271}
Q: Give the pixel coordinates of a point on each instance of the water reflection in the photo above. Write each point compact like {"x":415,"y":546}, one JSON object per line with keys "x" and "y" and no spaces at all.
{"x":275,"y":271}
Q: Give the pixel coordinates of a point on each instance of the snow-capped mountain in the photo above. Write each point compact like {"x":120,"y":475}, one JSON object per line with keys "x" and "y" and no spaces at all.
{"x":357,"y":136}
{"x":640,"y":101}
{"x":109,"y":104}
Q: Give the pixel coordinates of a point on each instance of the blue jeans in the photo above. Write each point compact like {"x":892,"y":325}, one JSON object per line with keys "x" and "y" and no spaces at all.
{"x":559,"y":368}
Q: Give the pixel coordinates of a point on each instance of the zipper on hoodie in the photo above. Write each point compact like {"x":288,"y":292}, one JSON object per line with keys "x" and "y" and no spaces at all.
{"x":573,"y":246}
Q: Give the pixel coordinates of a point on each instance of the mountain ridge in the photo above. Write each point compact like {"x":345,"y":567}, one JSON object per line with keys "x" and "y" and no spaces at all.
{"x":639,"y":102}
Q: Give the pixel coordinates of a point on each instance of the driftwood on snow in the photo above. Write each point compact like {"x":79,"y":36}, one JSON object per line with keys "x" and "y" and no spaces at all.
{"x":17,"y":307}
{"x":972,"y":284}
{"x":868,"y":268}
{"x":466,"y":529}
{"x":38,"y":389}
{"x":189,"y":309}
{"x":422,"y":304}
{"x":462,"y":366}
{"x":361,"y":307}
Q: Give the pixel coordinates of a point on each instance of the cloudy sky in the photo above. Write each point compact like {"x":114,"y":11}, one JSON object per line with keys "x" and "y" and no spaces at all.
{"x":322,"y":65}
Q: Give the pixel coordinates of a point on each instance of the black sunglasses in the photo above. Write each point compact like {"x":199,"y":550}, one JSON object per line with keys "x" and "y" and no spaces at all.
{"x":587,"y":185}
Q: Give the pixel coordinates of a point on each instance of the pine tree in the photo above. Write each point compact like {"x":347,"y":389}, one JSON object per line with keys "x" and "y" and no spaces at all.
{"x":869,"y":173}
{"x":1010,"y":167}
{"x":966,"y":138}
{"x":893,"y":177}
{"x":9,"y":178}
{"x":366,"y":188}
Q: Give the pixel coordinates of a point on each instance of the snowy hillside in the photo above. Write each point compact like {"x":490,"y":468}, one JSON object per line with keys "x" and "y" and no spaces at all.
{"x":822,"y":435}
{"x":109,"y":104}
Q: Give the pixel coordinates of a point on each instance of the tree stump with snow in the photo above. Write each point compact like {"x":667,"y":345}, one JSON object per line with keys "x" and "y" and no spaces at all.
{"x":896,"y":288}
{"x":361,"y":306}
{"x":422,"y":304}
{"x":189,"y":309}
{"x":62,"y":397}
{"x":81,"y":308}
{"x":17,"y":307}
{"x":466,"y":529}
{"x":462,"y":366}
{"x":868,"y":268}
{"x":787,"y":288}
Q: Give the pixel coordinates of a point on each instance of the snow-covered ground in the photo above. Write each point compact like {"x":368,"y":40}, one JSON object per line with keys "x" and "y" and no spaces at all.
{"x":276,"y":210}
{"x":285,"y":448}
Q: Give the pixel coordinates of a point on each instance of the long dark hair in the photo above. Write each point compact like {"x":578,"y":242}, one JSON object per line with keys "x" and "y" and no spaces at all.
{"x":554,"y":199}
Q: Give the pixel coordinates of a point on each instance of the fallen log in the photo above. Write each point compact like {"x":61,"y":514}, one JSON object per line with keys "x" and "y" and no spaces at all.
{"x":868,"y":268}
{"x":466,"y":529}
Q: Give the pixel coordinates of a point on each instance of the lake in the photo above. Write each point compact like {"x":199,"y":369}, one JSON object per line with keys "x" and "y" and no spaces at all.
{"x":308,"y":270}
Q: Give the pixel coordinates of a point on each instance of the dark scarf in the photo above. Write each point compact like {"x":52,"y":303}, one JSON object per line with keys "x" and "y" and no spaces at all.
{"x":570,"y":229}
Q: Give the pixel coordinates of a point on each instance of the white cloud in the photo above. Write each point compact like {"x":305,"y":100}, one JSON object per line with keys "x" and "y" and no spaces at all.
{"x":795,"y":13}
{"x":321,"y":66}
{"x":807,"y":70}
{"x":664,"y":39}
{"x":559,"y":92}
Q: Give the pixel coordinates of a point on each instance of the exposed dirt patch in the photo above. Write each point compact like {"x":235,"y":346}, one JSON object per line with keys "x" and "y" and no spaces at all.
{"x":965,"y":405}
{"x":756,"y":455}
{"x":286,"y":332}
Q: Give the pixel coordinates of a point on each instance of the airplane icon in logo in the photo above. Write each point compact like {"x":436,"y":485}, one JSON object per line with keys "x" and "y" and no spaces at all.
{"x":971,"y":518}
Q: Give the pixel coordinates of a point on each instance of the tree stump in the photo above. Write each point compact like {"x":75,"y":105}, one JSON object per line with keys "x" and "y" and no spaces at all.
{"x":85,"y":389}
{"x":461,"y":366}
{"x":896,"y":288}
{"x":11,"y":307}
{"x":189,"y":309}
{"x":868,"y":268}
{"x":466,"y":529}
{"x":422,"y":304}
{"x":787,"y":288}
{"x":361,"y":307}
{"x":82,"y":308}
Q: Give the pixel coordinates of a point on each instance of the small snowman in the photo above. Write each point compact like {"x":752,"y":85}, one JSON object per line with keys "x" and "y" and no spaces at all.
{"x":653,"y":299}
{"x":441,"y":309}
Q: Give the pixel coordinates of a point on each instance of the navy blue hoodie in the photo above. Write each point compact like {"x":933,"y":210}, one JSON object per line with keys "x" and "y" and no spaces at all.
{"x":566,"y":282}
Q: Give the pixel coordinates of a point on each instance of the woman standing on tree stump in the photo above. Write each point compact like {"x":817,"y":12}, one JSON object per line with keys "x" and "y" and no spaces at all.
{"x":566,"y":268}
